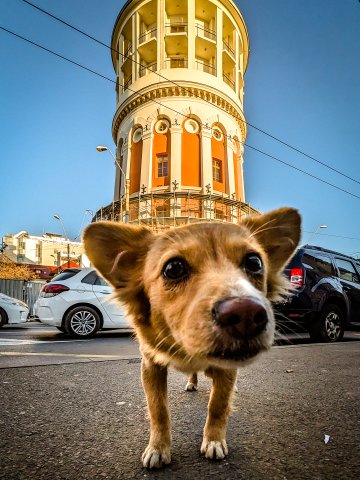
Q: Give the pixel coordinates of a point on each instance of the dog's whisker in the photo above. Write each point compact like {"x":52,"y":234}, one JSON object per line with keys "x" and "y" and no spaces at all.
{"x":261,"y":227}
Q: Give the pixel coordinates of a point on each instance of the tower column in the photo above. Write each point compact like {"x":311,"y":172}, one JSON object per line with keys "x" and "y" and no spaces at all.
{"x":241,"y":164}
{"x":219,"y":41}
{"x":118,"y":175}
{"x":146,"y":160}
{"x":135,"y":39}
{"x":160,"y":34}
{"x":206,"y":159}
{"x":175,"y":149}
{"x":237,"y":60}
{"x":191,"y":35}
{"x":230,"y":169}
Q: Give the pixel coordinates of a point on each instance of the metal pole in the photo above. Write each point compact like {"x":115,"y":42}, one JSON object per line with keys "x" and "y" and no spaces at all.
{"x":68,"y":254}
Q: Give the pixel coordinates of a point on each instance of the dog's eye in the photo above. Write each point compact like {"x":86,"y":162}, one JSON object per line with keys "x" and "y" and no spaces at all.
{"x":175,"y":269}
{"x":252,"y":263}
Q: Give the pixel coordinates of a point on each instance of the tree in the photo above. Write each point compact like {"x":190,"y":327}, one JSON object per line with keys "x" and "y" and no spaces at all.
{"x":14,"y":271}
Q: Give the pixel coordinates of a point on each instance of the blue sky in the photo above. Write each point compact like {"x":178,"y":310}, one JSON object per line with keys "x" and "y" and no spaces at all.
{"x":302,"y":86}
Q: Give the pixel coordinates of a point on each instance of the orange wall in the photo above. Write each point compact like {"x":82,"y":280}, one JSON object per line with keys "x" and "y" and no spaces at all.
{"x":218,"y":151}
{"x":190,"y":160}
{"x":161,"y":145}
{"x":135,"y":166}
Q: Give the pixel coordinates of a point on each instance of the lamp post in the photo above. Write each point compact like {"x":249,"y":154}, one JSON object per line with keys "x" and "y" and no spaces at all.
{"x":126,"y":182}
{"x":313,"y":235}
{"x":57,"y":217}
{"x":90,"y":212}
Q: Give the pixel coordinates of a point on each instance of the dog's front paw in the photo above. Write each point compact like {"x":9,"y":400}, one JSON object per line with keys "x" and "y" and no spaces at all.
{"x":215,"y":450}
{"x":190,"y":387}
{"x":154,"y":457}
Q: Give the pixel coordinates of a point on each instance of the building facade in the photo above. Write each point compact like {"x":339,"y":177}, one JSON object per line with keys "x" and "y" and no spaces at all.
{"x":179,"y":126}
{"x":49,"y":249}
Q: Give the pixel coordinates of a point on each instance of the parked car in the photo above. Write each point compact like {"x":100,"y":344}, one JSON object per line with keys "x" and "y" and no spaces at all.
{"x":77,"y":302}
{"x":12,"y":310}
{"x":326,"y":300}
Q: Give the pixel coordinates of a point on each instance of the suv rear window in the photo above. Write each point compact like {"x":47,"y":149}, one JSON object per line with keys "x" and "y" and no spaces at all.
{"x":346,"y":270}
{"x":318,"y":261}
{"x":66,"y":274}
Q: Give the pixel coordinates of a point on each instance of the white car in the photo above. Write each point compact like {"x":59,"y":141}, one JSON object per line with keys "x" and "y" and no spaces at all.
{"x":77,"y":302}
{"x":12,"y":310}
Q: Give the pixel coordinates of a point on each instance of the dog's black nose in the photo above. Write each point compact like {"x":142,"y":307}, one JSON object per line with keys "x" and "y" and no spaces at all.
{"x":244,"y":317}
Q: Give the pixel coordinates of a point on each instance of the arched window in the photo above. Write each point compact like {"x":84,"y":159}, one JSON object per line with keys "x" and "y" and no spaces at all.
{"x":161,"y":160}
{"x":136,"y":157}
{"x":219,"y":159}
{"x":191,"y":154}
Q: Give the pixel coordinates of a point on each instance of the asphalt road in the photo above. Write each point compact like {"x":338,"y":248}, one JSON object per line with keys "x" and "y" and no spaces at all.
{"x":85,"y":419}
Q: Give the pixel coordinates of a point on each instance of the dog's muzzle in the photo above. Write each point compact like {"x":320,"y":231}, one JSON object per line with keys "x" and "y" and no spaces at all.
{"x":241,"y":317}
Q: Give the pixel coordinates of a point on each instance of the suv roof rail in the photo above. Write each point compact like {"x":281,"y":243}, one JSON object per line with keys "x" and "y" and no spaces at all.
{"x":322,"y":249}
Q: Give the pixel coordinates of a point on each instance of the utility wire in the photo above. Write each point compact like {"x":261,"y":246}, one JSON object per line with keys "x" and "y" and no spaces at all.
{"x":176,"y":111}
{"x":301,"y":152}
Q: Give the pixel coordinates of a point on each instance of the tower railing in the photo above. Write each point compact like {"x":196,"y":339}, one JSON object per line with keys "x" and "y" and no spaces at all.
{"x":205,"y":67}
{"x":144,"y":69}
{"x":228,"y":48}
{"x":127,"y":52}
{"x":176,"y":27}
{"x":206,"y":32}
{"x":227,"y":79}
{"x":176,"y":62}
{"x":127,"y":82}
{"x":147,"y":35}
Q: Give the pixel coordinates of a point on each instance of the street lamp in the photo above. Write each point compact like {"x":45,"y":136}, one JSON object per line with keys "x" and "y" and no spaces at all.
{"x":313,"y":235}
{"x":90,"y":212}
{"x":126,"y":182}
{"x":57,"y":217}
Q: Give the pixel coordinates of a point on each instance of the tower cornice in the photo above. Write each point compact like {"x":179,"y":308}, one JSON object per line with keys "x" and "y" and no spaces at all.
{"x":155,"y":92}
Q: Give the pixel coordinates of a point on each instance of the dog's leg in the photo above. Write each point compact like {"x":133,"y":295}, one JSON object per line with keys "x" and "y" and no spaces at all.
{"x":214,"y":441}
{"x":191,"y":385}
{"x":154,"y":379}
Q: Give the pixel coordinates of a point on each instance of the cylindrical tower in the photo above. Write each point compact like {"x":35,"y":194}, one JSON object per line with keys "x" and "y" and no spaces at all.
{"x":179,"y":125}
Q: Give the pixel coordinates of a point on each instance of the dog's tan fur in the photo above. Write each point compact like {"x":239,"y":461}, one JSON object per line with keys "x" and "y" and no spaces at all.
{"x":173,"y":320}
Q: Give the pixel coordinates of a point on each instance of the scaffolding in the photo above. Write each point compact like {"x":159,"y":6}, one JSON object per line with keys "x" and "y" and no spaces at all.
{"x":163,"y":210}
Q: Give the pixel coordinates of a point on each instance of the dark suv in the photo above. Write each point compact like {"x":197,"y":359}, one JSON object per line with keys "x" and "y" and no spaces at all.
{"x":326,"y":300}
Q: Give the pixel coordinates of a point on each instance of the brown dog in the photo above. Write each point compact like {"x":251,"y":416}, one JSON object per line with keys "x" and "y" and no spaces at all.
{"x":199,"y":299}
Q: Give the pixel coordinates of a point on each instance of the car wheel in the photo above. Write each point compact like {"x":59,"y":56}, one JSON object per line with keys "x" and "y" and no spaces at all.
{"x":82,"y":322}
{"x":62,"y":329}
{"x":330,"y":325}
{"x":3,"y":317}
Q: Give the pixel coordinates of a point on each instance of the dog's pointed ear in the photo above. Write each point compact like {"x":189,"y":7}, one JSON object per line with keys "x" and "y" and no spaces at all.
{"x":278,"y":232}
{"x":118,"y":251}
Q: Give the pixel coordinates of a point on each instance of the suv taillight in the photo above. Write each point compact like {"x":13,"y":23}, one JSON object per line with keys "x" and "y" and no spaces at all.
{"x":297,"y":277}
{"x":53,"y":289}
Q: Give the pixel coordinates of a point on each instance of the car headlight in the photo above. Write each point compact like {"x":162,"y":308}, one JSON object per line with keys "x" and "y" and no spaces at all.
{"x":19,"y":303}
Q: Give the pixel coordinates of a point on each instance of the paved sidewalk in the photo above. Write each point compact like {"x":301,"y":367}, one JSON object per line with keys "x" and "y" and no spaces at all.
{"x":86,"y":421}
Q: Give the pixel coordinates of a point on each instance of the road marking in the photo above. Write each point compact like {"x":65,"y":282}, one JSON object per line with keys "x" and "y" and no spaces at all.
{"x":14,"y":341}
{"x":49,"y":354}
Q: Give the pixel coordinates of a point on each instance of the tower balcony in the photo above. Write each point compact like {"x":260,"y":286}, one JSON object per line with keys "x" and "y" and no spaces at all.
{"x":176,"y":40}
{"x":127,"y":53}
{"x":228,"y":50}
{"x":206,"y":67}
{"x":146,"y":69}
{"x":229,"y":80}
{"x":205,"y":32}
{"x":147,"y":47}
